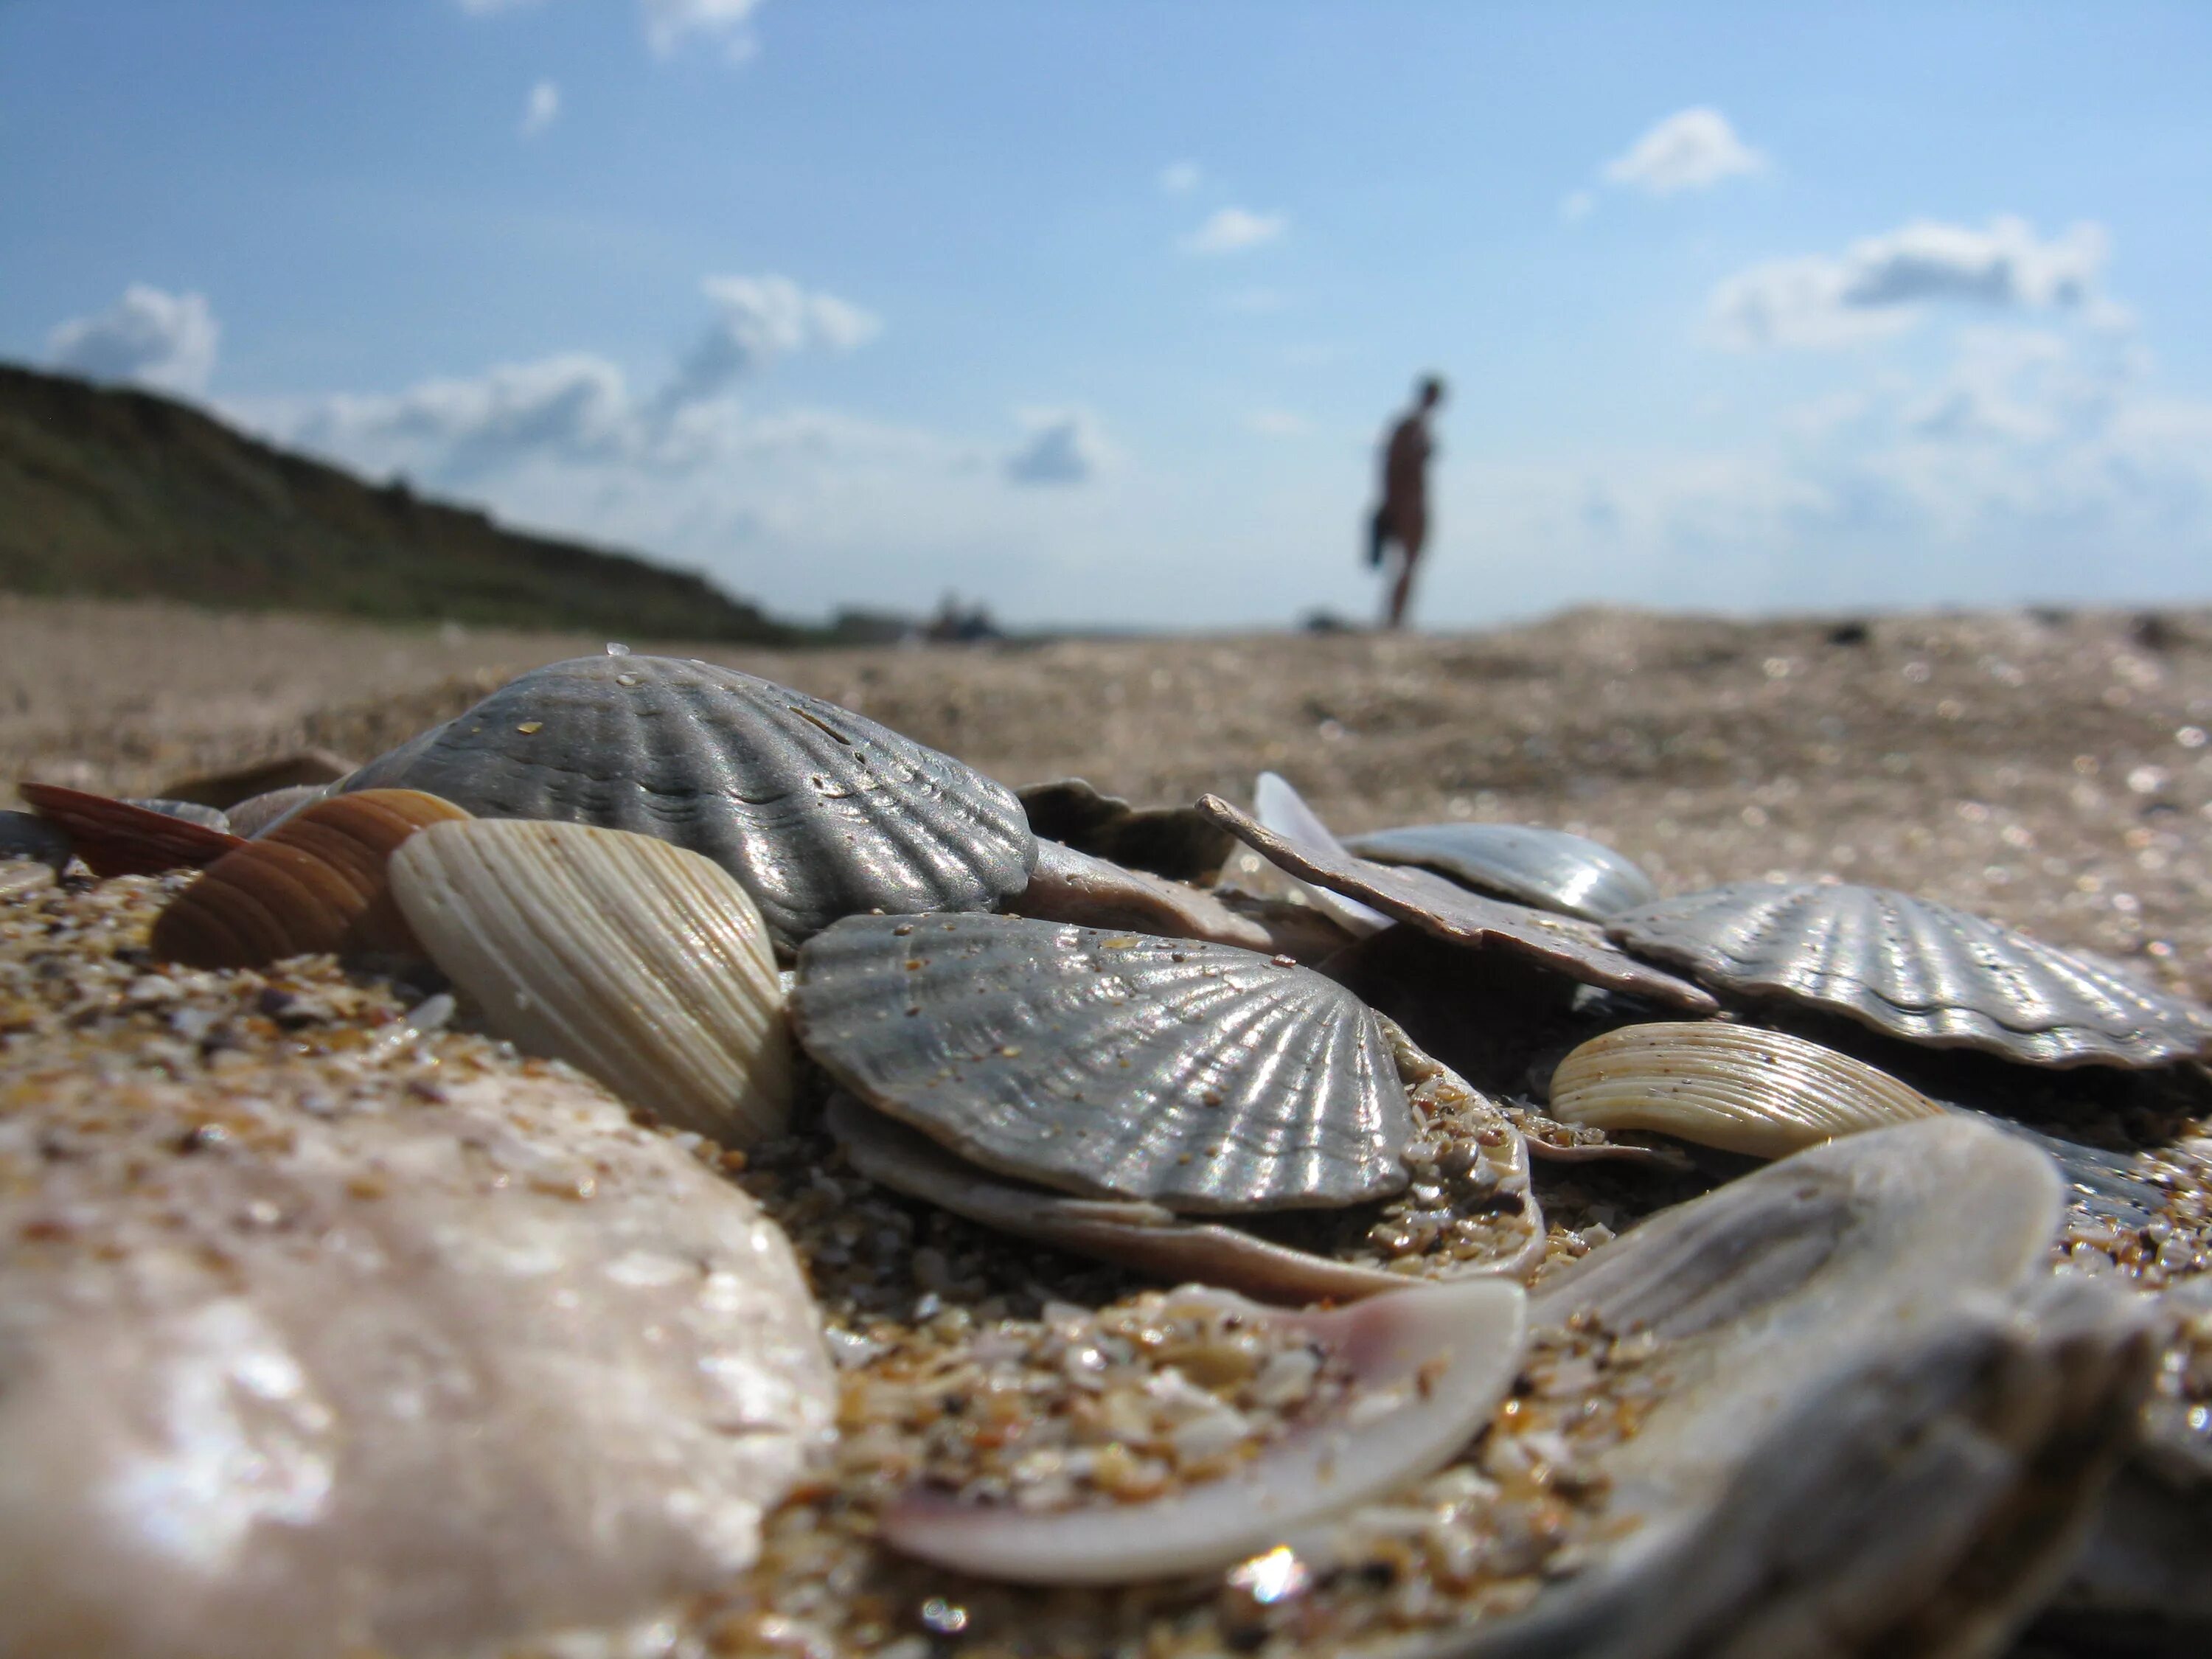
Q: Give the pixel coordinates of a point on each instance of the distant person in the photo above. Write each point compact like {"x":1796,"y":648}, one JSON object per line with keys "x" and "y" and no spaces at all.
{"x":1403,"y":517}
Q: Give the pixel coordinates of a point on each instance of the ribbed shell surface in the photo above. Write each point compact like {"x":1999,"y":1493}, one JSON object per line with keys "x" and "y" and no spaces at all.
{"x":1547,"y":868}
{"x":817,"y":811}
{"x":1916,"y":970}
{"x":1198,"y":1076}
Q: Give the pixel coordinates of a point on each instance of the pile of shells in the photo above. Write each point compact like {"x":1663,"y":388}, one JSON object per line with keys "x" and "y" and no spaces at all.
{"x":1568,"y":1269}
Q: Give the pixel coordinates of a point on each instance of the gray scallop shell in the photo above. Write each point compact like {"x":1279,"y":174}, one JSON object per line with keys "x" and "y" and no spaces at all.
{"x":1547,"y":868}
{"x":1916,"y":970}
{"x":817,"y":811}
{"x":1198,"y":1076}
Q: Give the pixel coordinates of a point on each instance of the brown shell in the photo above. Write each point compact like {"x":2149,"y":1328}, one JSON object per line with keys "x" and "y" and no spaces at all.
{"x":315,"y":883}
{"x":115,"y":838}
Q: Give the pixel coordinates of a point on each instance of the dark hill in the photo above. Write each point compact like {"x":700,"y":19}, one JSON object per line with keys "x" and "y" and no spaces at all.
{"x":114,"y":494}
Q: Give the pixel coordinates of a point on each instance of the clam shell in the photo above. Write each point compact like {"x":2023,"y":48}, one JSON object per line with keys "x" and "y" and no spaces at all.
{"x":1127,"y":1231}
{"x":1197,"y":1076}
{"x":1428,"y":1367}
{"x":1563,"y":943}
{"x":1166,"y":841}
{"x":1762,"y":1093}
{"x":819,"y":812}
{"x":1549,"y":869}
{"x":315,"y":883}
{"x":1918,"y":970}
{"x":116,"y":838}
{"x":1070,"y":886}
{"x":638,"y":963}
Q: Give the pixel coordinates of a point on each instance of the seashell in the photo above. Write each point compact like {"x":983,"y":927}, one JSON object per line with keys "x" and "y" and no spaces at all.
{"x":1070,"y":886}
{"x":1127,"y":1231}
{"x":819,"y":812}
{"x":1765,"y":1093}
{"x":208,"y":817}
{"x":1549,"y":869}
{"x":20,"y":877}
{"x":27,"y":836}
{"x":1281,"y":809}
{"x":259,"y":814}
{"x":1918,"y":970}
{"x":1197,"y":1076}
{"x":1563,"y":943}
{"x":315,"y":883}
{"x":307,"y":769}
{"x":1428,"y":1366}
{"x":643,"y":964}
{"x":115,"y":838}
{"x":1172,"y":841}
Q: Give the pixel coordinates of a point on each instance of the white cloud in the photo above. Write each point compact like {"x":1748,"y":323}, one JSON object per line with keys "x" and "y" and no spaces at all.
{"x":1180,"y":177}
{"x":669,"y":24}
{"x":759,"y":319}
{"x":1065,"y":446}
{"x":1690,"y":149}
{"x":541,"y":109}
{"x":1880,"y":284}
{"x":1576,"y":206}
{"x":1278,"y":424}
{"x":153,"y":338}
{"x":1233,"y":230}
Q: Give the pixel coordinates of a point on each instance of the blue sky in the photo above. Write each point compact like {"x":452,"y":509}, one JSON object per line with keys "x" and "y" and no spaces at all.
{"x":1096,"y":312}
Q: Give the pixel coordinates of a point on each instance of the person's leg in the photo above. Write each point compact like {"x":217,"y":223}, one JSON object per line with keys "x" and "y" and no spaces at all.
{"x":1409,"y":555}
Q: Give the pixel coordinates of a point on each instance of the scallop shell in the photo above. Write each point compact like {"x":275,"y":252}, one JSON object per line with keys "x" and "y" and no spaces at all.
{"x":1427,"y":1366}
{"x":638,"y":963}
{"x":1070,"y":886}
{"x":116,"y":838}
{"x":819,"y":812}
{"x":1549,"y":869}
{"x":1127,"y":1231}
{"x":1563,"y":943}
{"x":1172,"y":841}
{"x":1278,"y":806}
{"x":1918,"y":970}
{"x":1762,"y":1093}
{"x":315,"y":883}
{"x":1197,"y":1076}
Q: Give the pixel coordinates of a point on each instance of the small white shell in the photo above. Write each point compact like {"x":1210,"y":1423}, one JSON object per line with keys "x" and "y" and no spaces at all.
{"x":643,"y":964}
{"x":1743,"y":1090}
{"x":1430,"y":1365}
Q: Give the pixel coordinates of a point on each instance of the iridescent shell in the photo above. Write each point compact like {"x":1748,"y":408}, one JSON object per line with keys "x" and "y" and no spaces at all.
{"x":116,"y":838}
{"x":819,"y":812}
{"x":1918,"y":970}
{"x":1197,"y":1076}
{"x":1547,"y":868}
{"x":1567,"y":944}
{"x":315,"y":883}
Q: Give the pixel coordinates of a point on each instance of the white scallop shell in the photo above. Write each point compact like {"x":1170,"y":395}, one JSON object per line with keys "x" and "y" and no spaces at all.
{"x":1918,"y":970}
{"x":636,"y":961}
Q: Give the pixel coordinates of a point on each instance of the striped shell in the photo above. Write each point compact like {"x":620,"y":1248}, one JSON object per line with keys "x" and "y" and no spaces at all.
{"x":1198,"y":1076}
{"x":638,"y":963}
{"x":1547,"y":868}
{"x":117,"y":838}
{"x":1918,"y":970}
{"x":1762,"y":1093}
{"x":819,"y":812}
{"x":315,"y":883}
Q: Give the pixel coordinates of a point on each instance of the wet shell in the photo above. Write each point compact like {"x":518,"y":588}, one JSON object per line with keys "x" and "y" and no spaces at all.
{"x":1567,"y":946}
{"x":116,"y":838}
{"x":1762,"y":1093}
{"x":1547,"y":868}
{"x":315,"y":883}
{"x":1428,"y":1366}
{"x":819,"y":812}
{"x":1198,"y":1076}
{"x":638,"y":963}
{"x":1918,"y":970}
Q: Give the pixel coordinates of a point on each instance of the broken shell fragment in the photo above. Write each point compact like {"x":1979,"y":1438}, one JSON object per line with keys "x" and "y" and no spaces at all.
{"x":1742,"y":1089}
{"x":1276,"y":804}
{"x":116,"y":838}
{"x":1918,"y":970}
{"x":637,"y":961}
{"x":315,"y":883}
{"x":1564,"y":943}
{"x":1427,"y":1367}
{"x":817,"y":811}
{"x":1172,"y":841}
{"x":1070,"y":886}
{"x":1549,"y":869}
{"x":1197,"y":1076}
